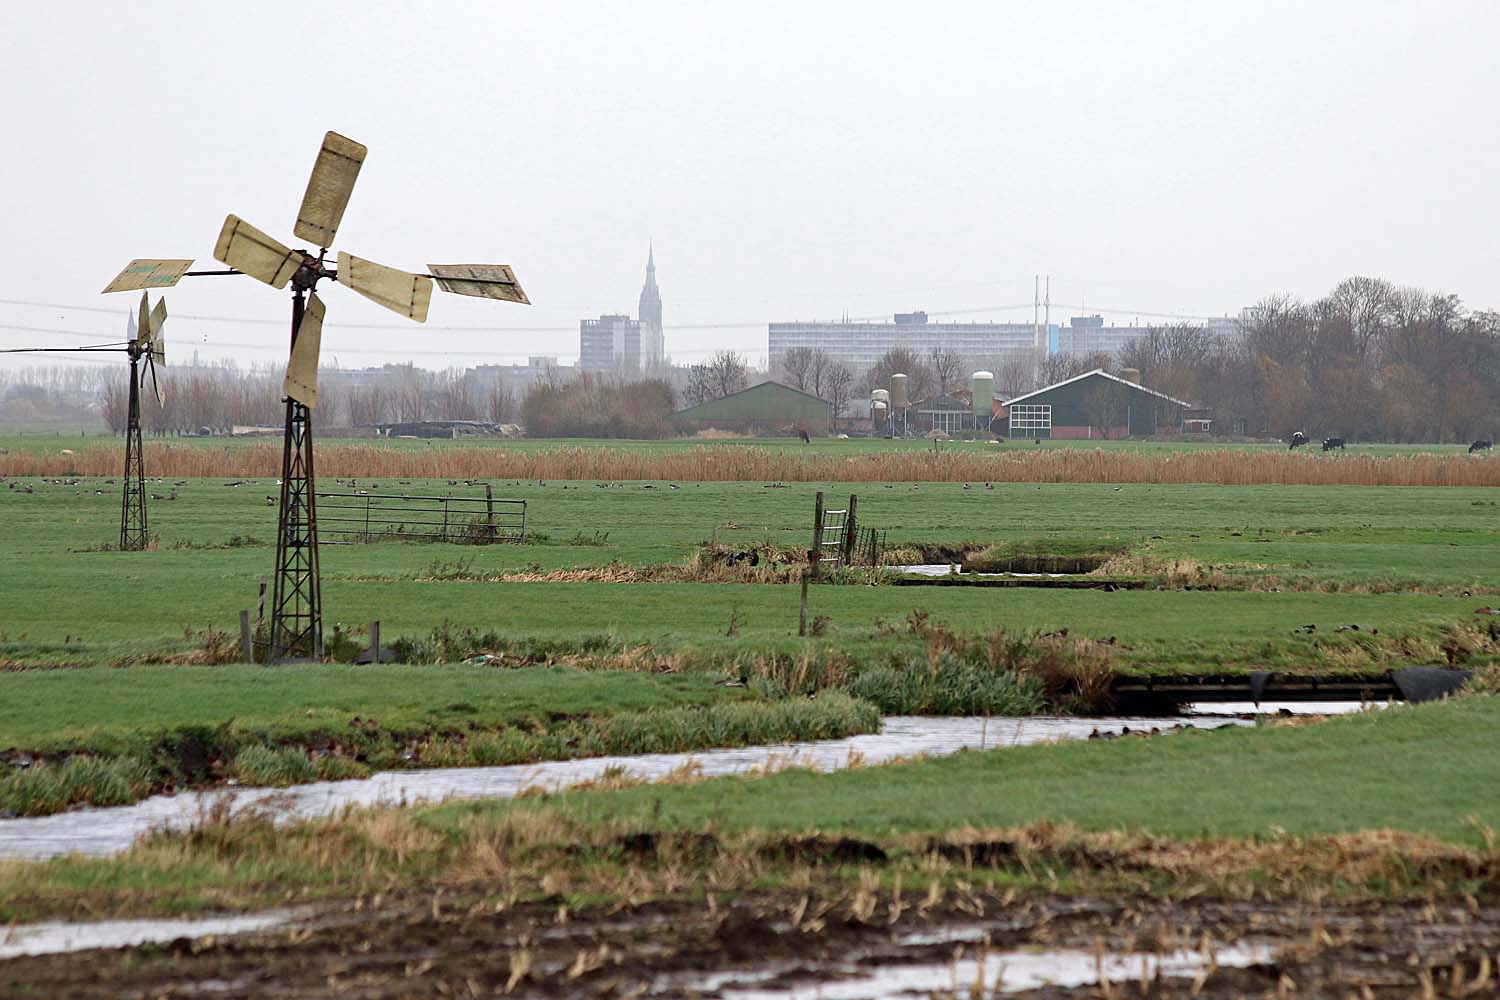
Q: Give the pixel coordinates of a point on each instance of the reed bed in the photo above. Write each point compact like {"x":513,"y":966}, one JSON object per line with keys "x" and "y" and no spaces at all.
{"x":721,"y":463}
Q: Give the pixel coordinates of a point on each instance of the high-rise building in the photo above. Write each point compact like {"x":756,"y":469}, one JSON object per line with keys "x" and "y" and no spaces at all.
{"x":648,"y":313}
{"x":1089,"y":335}
{"x":619,"y":345}
{"x":609,"y":344}
{"x":860,"y":345}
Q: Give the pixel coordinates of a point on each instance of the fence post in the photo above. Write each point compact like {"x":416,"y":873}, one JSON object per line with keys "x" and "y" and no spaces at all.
{"x":247,"y":647}
{"x":489,"y":511}
{"x":850,"y":527}
{"x":817,"y":546}
{"x":802,"y":615}
{"x":375,"y":641}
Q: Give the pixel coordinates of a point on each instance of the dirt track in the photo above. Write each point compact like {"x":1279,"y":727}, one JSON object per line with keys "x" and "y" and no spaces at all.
{"x":436,"y":947}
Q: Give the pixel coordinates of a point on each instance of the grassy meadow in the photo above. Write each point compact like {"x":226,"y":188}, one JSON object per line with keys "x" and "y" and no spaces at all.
{"x":1261,"y":561}
{"x":638,"y":586}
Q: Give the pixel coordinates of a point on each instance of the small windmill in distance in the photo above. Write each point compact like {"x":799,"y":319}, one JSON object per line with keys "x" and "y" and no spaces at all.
{"x":144,"y":346}
{"x":297,"y":606}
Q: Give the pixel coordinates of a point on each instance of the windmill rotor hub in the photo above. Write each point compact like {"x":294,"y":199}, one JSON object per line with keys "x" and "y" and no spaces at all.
{"x":306,"y":277}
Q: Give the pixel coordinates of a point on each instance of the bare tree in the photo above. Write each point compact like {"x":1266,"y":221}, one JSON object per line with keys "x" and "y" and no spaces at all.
{"x":501,"y":403}
{"x":1104,"y":406}
{"x":797,"y":367}
{"x":947,"y":368}
{"x":725,"y":373}
{"x":1060,"y":367}
{"x":838,"y":386}
{"x":920,"y":382}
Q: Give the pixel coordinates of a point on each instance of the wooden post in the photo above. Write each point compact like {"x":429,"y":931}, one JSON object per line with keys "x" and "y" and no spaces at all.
{"x":802,"y":617}
{"x":375,"y":641}
{"x":850,"y":531}
{"x":489,"y":510}
{"x":817,"y":546}
{"x":247,"y":646}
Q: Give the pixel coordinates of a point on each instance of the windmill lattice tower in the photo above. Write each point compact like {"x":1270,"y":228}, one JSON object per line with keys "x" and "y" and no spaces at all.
{"x":297,"y":606}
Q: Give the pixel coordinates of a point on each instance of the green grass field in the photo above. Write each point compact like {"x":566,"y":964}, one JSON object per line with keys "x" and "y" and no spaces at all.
{"x":1414,"y":550}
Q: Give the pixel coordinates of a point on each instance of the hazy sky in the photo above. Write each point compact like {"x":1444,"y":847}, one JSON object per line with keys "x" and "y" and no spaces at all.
{"x":790,"y":160}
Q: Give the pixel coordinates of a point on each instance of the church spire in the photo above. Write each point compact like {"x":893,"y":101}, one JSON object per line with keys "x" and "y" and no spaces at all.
{"x":653,"y":342}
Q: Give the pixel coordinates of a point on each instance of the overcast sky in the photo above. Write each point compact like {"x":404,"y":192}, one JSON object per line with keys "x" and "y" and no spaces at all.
{"x":790,"y":160}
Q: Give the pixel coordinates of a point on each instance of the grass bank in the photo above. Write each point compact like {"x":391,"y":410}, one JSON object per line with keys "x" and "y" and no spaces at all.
{"x":1386,"y":805}
{"x":111,"y":736}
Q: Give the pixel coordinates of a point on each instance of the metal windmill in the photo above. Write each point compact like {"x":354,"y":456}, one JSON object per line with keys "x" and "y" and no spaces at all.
{"x":146,"y":350}
{"x":297,"y":606}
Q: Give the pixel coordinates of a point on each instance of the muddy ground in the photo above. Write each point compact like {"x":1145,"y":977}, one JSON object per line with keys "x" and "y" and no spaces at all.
{"x":442,"y":947}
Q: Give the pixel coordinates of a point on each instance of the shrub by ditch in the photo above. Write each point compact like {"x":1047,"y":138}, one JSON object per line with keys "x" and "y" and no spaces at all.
{"x":262,"y":765}
{"x":952,"y":686}
{"x":49,"y":788}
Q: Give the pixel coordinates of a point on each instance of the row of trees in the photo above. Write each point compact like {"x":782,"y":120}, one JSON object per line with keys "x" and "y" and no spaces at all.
{"x":220,"y":399}
{"x":593,"y":406}
{"x":1368,"y":361}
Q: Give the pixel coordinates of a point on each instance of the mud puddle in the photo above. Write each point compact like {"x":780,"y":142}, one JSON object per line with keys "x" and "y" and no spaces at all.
{"x":60,"y":936}
{"x":107,"y":831}
{"x":992,"y":973}
{"x":974,"y":943}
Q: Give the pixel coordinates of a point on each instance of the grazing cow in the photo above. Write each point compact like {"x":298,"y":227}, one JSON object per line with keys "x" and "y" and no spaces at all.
{"x":1298,"y":440}
{"x":1331,"y":443}
{"x":1480,"y":446}
{"x":803,"y":435}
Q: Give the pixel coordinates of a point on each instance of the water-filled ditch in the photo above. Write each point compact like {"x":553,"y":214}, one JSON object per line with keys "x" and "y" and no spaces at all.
{"x":106,"y":831}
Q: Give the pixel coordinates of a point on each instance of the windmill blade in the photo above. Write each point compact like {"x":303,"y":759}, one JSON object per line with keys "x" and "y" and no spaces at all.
{"x":328,"y":189}
{"x":158,"y":319}
{"x":132,"y":331}
{"x":399,"y":291}
{"x":143,"y":325}
{"x":488,"y":281}
{"x":142,"y":273}
{"x":155,"y":323}
{"x":247,"y":249}
{"x":161,"y":397}
{"x":301,"y":382}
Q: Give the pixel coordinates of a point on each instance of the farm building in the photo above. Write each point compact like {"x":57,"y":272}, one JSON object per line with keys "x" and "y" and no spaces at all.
{"x":1095,"y":404}
{"x":944,"y":412}
{"x":769,"y":406}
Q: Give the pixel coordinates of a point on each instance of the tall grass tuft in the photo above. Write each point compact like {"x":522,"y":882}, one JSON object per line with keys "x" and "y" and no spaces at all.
{"x":49,"y":788}
{"x":267,"y":766}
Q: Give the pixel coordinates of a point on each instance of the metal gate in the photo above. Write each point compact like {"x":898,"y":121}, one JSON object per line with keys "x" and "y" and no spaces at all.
{"x":354,"y":518}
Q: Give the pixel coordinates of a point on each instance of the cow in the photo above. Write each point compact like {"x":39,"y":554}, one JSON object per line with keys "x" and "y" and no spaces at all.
{"x":1298,"y":440}
{"x":1331,"y":443}
{"x":1480,"y":446}
{"x":801,"y":433}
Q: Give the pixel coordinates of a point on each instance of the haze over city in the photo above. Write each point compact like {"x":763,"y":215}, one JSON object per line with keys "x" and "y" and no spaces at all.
{"x":1159,"y":161}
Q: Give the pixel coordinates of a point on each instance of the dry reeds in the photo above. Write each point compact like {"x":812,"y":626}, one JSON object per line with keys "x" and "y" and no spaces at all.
{"x":730,"y":463}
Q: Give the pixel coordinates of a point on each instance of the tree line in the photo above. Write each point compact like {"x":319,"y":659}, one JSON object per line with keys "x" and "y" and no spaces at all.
{"x":1370,"y":360}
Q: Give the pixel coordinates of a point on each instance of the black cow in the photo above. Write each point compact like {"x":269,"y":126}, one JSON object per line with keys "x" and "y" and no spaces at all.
{"x":1298,"y":440}
{"x":1331,"y":443}
{"x":1480,"y":446}
{"x":803,"y":435}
